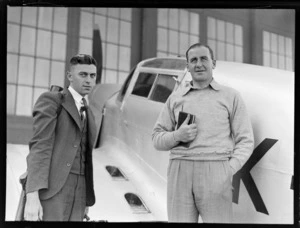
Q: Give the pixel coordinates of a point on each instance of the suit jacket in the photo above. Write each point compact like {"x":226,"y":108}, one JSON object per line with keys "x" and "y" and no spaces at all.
{"x":54,"y":145}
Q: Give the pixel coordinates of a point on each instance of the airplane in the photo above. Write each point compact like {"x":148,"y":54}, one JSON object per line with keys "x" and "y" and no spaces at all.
{"x":130,"y":175}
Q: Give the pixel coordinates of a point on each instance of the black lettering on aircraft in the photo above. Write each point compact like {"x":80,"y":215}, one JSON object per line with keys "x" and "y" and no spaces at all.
{"x":245,"y":175}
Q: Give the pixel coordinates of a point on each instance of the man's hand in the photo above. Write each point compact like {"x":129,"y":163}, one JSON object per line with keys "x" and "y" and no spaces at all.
{"x":186,"y":133}
{"x":33,"y":208}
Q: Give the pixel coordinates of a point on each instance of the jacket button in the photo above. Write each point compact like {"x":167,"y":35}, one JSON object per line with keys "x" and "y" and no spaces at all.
{"x":68,"y":164}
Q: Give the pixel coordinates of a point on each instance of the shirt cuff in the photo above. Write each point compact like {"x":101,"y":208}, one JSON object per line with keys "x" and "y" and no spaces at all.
{"x":174,"y":137}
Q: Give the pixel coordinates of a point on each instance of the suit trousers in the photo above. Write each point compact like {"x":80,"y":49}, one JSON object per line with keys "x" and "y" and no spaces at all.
{"x":199,"y":190}
{"x":69,"y":203}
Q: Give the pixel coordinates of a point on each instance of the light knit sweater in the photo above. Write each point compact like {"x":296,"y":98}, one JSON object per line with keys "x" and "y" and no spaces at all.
{"x":224,"y":128}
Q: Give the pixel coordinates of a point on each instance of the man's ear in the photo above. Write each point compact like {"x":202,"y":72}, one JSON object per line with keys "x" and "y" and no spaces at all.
{"x":187,"y":67}
{"x":214,"y":64}
{"x":69,"y":76}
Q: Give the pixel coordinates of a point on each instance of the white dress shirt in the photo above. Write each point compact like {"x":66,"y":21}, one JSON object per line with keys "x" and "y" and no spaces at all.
{"x":78,"y":98}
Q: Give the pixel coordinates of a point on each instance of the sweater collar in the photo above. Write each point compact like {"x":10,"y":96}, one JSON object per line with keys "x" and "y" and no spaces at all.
{"x":189,"y":86}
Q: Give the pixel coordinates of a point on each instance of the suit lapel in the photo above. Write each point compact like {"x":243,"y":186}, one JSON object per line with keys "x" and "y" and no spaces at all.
{"x":69,"y":105}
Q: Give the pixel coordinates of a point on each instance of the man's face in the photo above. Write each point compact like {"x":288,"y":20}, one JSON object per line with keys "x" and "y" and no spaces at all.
{"x":82,"y":78}
{"x":200,"y":65}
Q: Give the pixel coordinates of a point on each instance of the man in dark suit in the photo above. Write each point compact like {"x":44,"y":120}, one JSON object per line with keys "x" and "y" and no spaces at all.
{"x":60,"y":171}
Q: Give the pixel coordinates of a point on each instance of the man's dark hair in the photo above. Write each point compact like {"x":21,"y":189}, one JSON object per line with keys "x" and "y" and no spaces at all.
{"x":82,"y":59}
{"x":199,"y":45}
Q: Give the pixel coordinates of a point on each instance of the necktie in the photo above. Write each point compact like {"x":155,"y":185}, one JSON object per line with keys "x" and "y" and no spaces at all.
{"x":82,"y":109}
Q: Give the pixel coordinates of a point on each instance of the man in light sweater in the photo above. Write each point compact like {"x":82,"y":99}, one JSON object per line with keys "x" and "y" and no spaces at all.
{"x":206,"y":154}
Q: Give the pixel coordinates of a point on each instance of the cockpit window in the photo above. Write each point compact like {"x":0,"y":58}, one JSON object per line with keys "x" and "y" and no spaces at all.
{"x":143,"y":84}
{"x":125,"y":85}
{"x":163,"y":87}
{"x":155,"y":87}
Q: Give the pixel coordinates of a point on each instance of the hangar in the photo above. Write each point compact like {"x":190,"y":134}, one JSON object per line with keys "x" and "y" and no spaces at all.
{"x":42,"y":39}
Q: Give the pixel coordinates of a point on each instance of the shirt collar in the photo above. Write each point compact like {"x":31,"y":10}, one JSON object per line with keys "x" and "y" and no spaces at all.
{"x":189,"y":86}
{"x":77,"y":97}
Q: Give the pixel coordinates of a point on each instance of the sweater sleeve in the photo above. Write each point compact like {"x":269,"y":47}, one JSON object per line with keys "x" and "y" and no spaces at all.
{"x":242,"y":134}
{"x":41,"y":144}
{"x":163,"y":131}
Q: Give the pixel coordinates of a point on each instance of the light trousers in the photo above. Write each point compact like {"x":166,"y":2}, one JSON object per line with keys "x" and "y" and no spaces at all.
{"x":199,"y":188}
{"x":69,"y":203}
